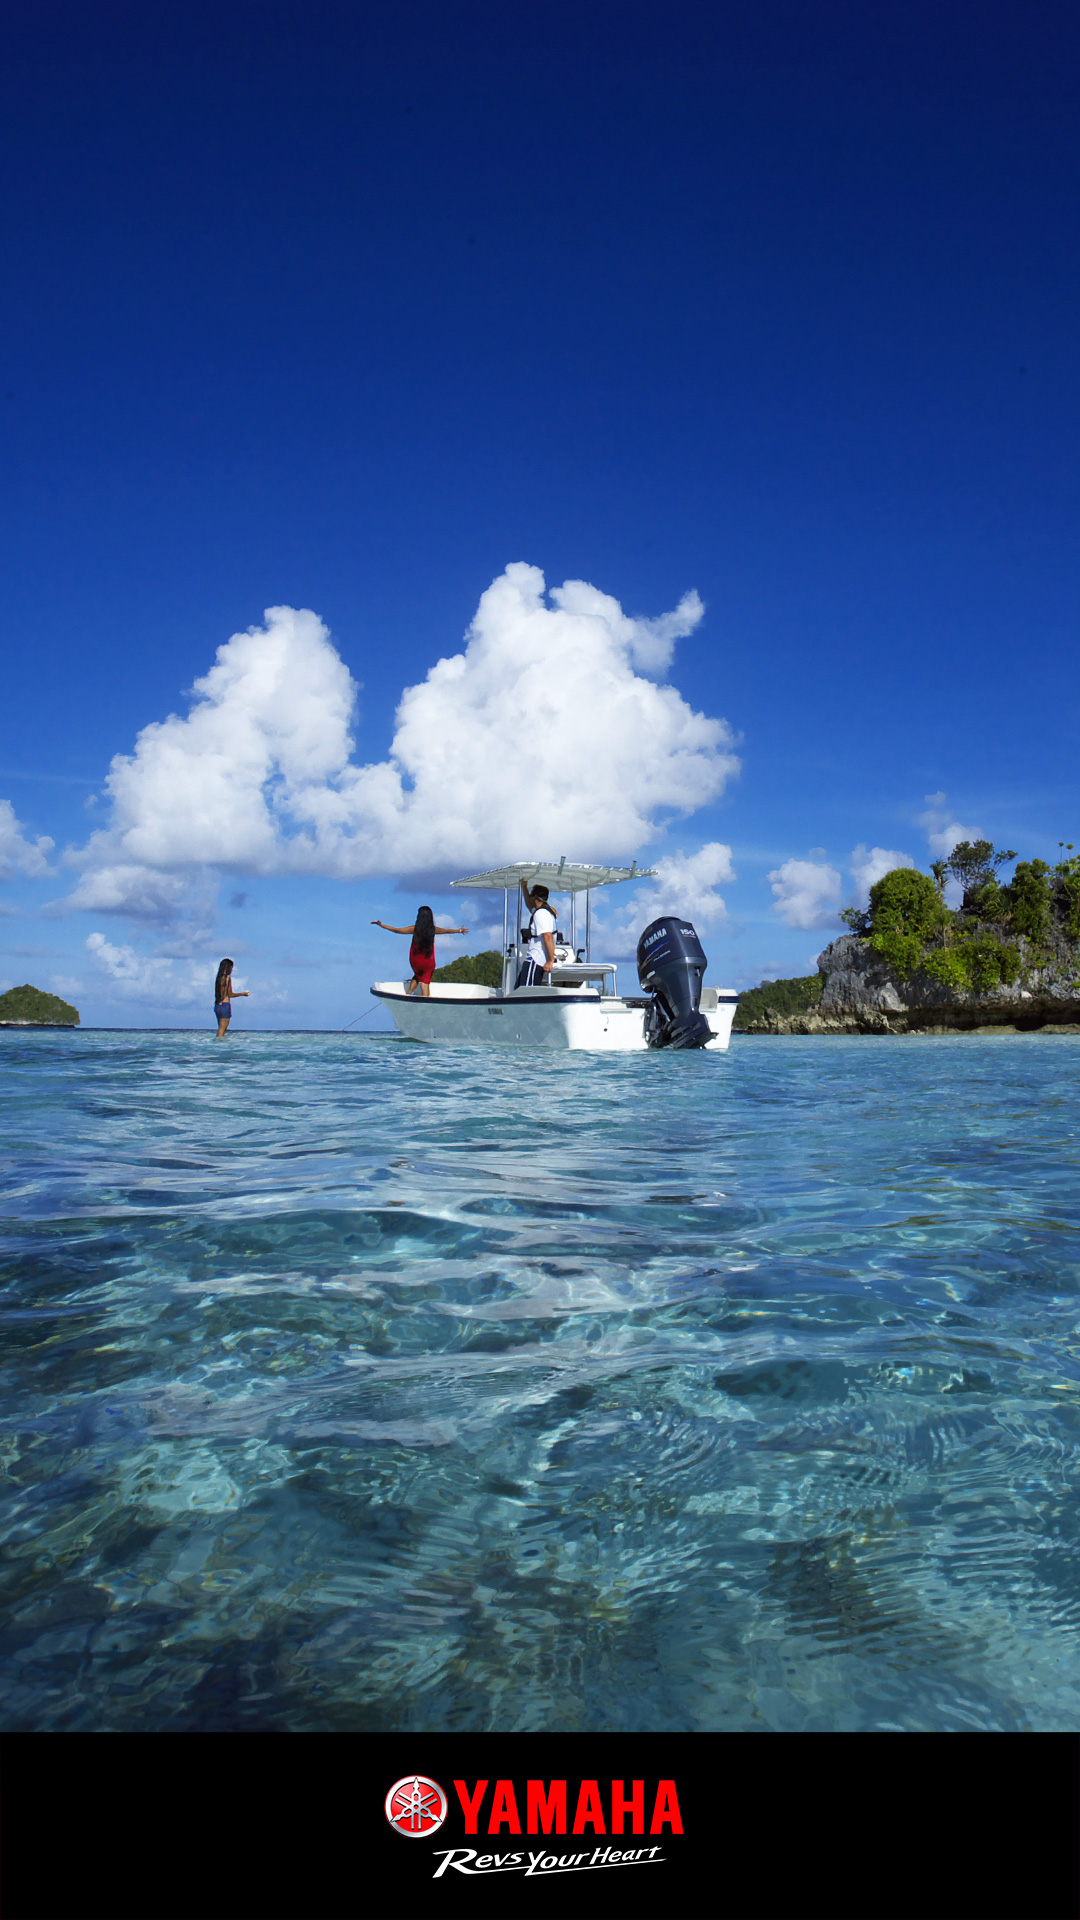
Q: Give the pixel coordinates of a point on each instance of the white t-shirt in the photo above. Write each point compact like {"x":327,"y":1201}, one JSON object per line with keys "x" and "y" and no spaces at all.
{"x":543,"y":921}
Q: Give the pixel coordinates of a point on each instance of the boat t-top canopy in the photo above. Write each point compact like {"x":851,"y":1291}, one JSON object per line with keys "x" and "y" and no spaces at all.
{"x":560,"y":876}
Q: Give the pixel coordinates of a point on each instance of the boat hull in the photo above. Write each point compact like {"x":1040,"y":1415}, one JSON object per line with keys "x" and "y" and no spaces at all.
{"x":537,"y":1017}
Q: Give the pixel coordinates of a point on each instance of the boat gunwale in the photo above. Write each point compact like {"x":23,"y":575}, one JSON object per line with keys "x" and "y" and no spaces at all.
{"x":543,"y":997}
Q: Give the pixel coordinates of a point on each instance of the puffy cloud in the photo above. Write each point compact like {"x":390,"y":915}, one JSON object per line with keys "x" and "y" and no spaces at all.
{"x":545,"y":731}
{"x":872,"y":863}
{"x":17,"y":854}
{"x":943,"y":831}
{"x":649,"y":643}
{"x":145,"y":894}
{"x":685,"y":884}
{"x":163,"y":982}
{"x":140,"y":976}
{"x":68,"y":985}
{"x":807,"y":893}
{"x":270,"y":722}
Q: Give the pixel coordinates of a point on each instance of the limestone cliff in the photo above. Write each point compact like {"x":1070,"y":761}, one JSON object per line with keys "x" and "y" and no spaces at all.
{"x":861,"y":994}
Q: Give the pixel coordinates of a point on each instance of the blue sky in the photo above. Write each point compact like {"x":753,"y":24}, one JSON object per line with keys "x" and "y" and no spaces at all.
{"x":349,"y":308}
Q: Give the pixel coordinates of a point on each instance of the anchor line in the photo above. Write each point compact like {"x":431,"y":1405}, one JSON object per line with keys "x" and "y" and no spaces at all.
{"x":360,"y":1016}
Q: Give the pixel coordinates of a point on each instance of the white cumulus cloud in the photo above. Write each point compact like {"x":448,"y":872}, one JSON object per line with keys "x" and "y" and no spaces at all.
{"x":146,"y":977}
{"x":152,"y":979}
{"x":685,"y":883}
{"x":544,"y":731}
{"x":943,"y":830}
{"x":807,"y":893}
{"x":17,"y":853}
{"x":869,"y":864}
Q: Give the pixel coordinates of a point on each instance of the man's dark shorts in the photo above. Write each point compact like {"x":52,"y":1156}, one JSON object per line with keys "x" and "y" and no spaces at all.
{"x":531,"y":975}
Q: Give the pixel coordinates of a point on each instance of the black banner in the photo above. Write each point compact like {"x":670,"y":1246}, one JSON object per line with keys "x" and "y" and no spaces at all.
{"x":642,"y":1826}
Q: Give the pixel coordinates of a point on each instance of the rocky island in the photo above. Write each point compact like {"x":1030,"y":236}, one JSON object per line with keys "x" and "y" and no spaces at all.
{"x":1006,"y":960}
{"x":28,"y":1006}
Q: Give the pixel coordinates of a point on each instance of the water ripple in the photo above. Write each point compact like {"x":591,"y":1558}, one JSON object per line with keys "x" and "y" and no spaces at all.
{"x":350,"y":1384}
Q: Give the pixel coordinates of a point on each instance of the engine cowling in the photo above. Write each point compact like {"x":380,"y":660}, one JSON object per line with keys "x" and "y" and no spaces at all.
{"x":671,"y":966}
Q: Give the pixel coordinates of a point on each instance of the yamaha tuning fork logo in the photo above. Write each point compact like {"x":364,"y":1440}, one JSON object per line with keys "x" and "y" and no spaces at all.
{"x":416,"y":1806}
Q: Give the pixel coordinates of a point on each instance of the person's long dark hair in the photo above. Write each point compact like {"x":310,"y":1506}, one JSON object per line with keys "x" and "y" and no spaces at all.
{"x":424,"y":931}
{"x":223,"y":973}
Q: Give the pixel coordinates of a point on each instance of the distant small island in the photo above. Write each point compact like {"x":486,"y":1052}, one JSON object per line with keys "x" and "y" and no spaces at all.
{"x":1006,"y":960}
{"x":760,"y":1007}
{"x":472,"y":970}
{"x":29,"y":1007}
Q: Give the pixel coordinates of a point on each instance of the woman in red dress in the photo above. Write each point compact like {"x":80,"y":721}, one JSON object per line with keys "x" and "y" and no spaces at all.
{"x":422,"y":950}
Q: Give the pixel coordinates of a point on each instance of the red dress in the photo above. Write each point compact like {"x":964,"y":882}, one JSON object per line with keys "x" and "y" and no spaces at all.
{"x":422,"y":964}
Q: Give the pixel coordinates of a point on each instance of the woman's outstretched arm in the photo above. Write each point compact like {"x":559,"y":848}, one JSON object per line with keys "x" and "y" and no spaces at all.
{"x":389,"y":929}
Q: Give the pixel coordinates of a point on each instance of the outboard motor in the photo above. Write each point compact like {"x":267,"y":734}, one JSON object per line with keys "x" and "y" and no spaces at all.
{"x":671,"y":966}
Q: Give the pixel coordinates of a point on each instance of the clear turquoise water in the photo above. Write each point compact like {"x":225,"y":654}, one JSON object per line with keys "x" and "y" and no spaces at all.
{"x":355,"y":1384}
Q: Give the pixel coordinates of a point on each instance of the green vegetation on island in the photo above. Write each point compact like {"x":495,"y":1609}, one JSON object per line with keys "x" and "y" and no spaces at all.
{"x":472,"y":970}
{"x":1009,"y":953}
{"x":999,"y":932}
{"x":783,"y":997}
{"x":38,"y":1008}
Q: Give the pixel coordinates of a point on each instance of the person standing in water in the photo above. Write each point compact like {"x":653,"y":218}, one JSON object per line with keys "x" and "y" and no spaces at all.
{"x":224,"y":994}
{"x":422,"y":951}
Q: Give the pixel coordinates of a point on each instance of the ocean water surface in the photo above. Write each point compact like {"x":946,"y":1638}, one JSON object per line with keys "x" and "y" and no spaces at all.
{"x":354,"y":1384}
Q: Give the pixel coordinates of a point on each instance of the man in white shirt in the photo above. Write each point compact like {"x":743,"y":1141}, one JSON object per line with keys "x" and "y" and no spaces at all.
{"x":540,"y":950}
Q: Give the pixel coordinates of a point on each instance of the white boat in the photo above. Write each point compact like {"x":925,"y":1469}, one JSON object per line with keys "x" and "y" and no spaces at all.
{"x":582,"y":1010}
